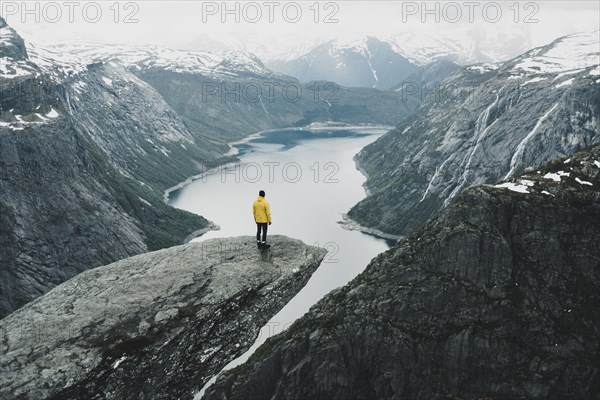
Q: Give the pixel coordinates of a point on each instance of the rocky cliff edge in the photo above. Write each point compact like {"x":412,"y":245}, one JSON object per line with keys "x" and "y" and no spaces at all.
{"x":157,"y":325}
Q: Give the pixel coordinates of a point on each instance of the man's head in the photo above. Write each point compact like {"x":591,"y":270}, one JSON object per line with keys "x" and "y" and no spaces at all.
{"x":261,"y":193}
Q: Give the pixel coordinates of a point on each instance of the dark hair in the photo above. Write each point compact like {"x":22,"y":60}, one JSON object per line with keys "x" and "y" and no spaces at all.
{"x":261,"y":193}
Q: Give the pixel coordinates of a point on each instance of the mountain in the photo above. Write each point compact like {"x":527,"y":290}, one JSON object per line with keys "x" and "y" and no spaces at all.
{"x":84,"y":152}
{"x":91,"y":136}
{"x":203,"y":86}
{"x":470,"y":45}
{"x":465,"y":45}
{"x":496,"y":297}
{"x":426,"y":79}
{"x":157,"y":325}
{"x":384,"y":61}
{"x":366,"y":62}
{"x":482,"y":123}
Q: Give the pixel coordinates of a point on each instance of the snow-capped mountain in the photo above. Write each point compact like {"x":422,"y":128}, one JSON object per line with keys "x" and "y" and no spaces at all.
{"x":464,"y":47}
{"x":13,"y":54}
{"x":566,"y":56}
{"x":66,"y":59}
{"x":277,"y":48}
{"x":383,"y":62}
{"x":364,"y":62}
{"x":483,"y":123}
{"x":467,"y":45}
{"x":214,"y":64}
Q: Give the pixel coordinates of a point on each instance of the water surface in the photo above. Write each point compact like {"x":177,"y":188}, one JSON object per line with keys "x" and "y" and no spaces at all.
{"x":310,"y":180}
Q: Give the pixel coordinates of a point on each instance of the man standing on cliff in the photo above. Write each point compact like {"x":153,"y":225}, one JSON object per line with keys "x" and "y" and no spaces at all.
{"x":262,"y":217}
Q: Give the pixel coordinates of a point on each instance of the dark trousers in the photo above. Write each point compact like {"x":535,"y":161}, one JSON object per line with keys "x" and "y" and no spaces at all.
{"x":260,"y":226}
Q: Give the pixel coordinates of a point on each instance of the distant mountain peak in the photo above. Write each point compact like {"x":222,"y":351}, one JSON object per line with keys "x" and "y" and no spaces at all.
{"x":466,"y":46}
{"x":361,"y":61}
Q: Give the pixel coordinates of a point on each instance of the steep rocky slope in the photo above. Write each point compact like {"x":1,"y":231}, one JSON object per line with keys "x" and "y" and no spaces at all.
{"x":481,"y":124}
{"x":496,"y":298}
{"x":157,"y":325}
{"x":85,"y":153}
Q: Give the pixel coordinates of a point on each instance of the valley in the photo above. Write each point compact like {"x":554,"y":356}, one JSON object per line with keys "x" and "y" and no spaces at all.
{"x":129,"y":124}
{"x":434,"y":203}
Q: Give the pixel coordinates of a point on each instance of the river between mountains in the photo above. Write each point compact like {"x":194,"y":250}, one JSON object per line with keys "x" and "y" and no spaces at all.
{"x":311,"y":180}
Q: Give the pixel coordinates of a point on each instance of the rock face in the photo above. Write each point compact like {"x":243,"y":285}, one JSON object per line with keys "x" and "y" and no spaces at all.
{"x":496,"y":298}
{"x":482,"y":124}
{"x":157,"y":325}
{"x":85,"y":154}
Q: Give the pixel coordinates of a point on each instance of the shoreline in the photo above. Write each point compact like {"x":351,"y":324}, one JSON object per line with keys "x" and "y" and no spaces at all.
{"x":347,"y":223}
{"x":233,"y":151}
{"x":191,"y":180}
{"x":315,"y":126}
{"x":362,"y":171}
{"x":352,"y":225}
{"x":211,"y":227}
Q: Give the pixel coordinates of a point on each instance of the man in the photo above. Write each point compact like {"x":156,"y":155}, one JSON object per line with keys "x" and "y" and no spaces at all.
{"x":262,"y":217}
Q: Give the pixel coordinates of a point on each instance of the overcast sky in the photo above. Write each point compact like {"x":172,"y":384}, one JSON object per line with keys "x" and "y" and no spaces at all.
{"x":274,"y":26}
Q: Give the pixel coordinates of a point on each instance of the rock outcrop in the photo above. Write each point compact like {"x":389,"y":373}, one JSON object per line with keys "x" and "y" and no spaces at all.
{"x":153,"y":326}
{"x":496,"y":298}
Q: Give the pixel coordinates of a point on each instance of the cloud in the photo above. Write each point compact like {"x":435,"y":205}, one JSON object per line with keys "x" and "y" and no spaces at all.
{"x":276,"y":28}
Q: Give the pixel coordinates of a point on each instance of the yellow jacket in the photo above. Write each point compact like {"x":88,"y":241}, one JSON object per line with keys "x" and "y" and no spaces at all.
{"x":262,"y":211}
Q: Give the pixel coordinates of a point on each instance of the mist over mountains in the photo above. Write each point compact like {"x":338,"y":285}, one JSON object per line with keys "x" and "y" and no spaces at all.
{"x":375,"y":61}
{"x":490,"y":178}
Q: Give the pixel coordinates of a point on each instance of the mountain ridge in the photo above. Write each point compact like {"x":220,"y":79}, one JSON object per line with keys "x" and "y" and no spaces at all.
{"x":72,"y":193}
